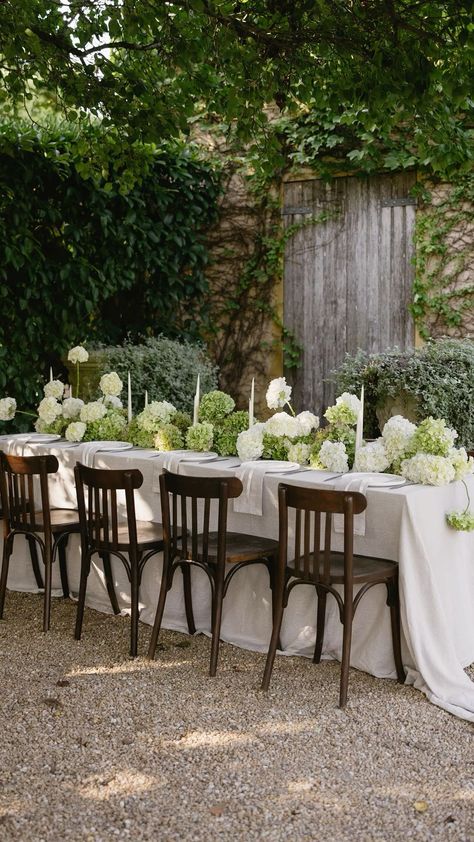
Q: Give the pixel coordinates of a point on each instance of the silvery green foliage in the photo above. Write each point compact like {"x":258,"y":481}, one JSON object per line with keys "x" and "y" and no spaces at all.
{"x":166,"y":368}
{"x":440,"y":376}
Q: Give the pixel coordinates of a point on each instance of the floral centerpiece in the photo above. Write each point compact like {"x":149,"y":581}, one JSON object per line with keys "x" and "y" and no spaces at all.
{"x":284,"y":436}
{"x":218,"y":426}
{"x":160,"y":425}
{"x":334,"y":447}
{"x":59,"y":413}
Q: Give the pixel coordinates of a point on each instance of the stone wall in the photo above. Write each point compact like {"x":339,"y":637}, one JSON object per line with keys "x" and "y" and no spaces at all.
{"x":450,"y":269}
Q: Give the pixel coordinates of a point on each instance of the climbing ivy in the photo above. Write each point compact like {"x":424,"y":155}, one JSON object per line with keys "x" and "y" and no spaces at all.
{"x":442,"y":295}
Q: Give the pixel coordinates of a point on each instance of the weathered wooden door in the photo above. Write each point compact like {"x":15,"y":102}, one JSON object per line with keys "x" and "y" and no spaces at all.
{"x":347,"y":280}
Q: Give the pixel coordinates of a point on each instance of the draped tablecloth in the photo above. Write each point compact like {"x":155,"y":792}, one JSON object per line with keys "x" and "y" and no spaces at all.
{"x":406,"y":524}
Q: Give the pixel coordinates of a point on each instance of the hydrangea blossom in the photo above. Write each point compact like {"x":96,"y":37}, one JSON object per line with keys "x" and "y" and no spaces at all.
{"x":278,"y":393}
{"x":7,"y":409}
{"x":462,"y":521}
{"x":345,"y":411}
{"x":433,"y":436}
{"x":428,"y":469}
{"x":78,"y":354}
{"x":111,"y":384}
{"x":307,"y":422}
{"x":397,"y":435}
{"x":108,"y":428}
{"x":54,"y":389}
{"x":113,"y":401}
{"x":299,"y":452}
{"x":461,"y":462}
{"x":72,"y":408}
{"x":155,"y":415}
{"x":333,"y":456}
{"x":250,"y":443}
{"x":75,"y":431}
{"x":93,"y":411}
{"x":168,"y":438}
{"x":282,"y":424}
{"x":215,"y":406}
{"x":200,"y":436}
{"x":372,"y":458}
{"x":49,"y":409}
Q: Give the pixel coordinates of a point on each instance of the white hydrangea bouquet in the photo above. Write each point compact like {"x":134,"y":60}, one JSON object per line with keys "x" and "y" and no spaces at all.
{"x":160,"y":425}
{"x":423,"y":454}
{"x":59,"y":413}
{"x":285,"y":435}
{"x":334,"y":446}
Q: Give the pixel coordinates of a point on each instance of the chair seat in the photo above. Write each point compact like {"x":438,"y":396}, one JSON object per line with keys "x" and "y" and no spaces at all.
{"x":149,"y":534}
{"x":62,"y":520}
{"x":365,"y":569}
{"x":239,"y":547}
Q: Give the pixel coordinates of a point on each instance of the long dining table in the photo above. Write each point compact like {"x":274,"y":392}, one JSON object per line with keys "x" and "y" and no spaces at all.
{"x":406,"y":524}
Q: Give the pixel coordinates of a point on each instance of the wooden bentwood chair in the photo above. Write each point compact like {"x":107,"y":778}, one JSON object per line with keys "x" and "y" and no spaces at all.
{"x":105,"y":535}
{"x":46,"y":528}
{"x":220,"y":554}
{"x":308,"y":564}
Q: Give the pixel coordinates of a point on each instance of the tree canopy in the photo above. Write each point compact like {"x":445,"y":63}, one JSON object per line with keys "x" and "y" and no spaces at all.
{"x":149,"y":68}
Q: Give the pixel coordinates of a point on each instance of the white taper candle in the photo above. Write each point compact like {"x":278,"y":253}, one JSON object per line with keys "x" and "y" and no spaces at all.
{"x":129,"y":401}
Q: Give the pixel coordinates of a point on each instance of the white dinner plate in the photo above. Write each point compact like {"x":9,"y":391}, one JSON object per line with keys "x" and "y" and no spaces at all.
{"x":195,"y":456}
{"x":42,"y":438}
{"x":272,"y":466}
{"x":110,"y":446}
{"x":374,"y":480}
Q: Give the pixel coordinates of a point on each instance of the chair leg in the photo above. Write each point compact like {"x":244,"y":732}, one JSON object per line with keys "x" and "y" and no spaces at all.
{"x":188,"y":599}
{"x":48,"y":569}
{"x":218,"y":599}
{"x":134,"y":607}
{"x":85,"y":568}
{"x":393,"y":601}
{"x":35,"y":562}
{"x":109,"y":581}
{"x":273,"y":587}
{"x":7,"y":551}
{"x":274,"y":643}
{"x":346,"y":651}
{"x":320,"y":625}
{"x":61,"y":549}
{"x":164,"y":587}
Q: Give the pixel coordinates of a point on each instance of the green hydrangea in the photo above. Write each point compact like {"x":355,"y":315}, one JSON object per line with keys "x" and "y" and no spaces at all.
{"x":138,"y":436}
{"x":462,"y":521}
{"x":433,"y":436}
{"x":340,"y":413}
{"x":335,"y":433}
{"x":200,"y":437}
{"x":182,"y":421}
{"x":112,"y":427}
{"x":275,"y":447}
{"x":169,"y":438}
{"x":227,"y":431}
{"x":58,"y":426}
{"x":215,"y":406}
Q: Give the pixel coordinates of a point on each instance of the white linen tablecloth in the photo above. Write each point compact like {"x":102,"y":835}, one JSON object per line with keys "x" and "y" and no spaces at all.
{"x":405,"y":524}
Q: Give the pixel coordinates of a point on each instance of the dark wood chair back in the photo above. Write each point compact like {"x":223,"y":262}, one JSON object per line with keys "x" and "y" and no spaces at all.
{"x":98,"y":509}
{"x":306,"y":553}
{"x":17,"y":487}
{"x":184,"y":536}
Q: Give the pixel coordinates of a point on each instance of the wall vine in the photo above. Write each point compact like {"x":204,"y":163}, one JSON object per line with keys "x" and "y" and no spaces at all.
{"x":443,"y":291}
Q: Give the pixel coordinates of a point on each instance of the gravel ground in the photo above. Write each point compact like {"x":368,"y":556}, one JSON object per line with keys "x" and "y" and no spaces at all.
{"x":97,"y":746}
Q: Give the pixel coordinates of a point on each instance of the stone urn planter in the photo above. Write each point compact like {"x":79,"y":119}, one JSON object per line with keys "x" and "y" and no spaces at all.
{"x":401,"y":404}
{"x":89,"y":376}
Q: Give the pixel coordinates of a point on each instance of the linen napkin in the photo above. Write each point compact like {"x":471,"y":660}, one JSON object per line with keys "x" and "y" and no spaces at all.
{"x":348,"y":483}
{"x":171,"y":461}
{"x":90,"y":449}
{"x":251,"y":475}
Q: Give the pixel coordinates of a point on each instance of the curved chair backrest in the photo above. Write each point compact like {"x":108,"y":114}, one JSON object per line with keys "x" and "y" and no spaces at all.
{"x":99,"y":519}
{"x":17,"y":488}
{"x":184,"y":534}
{"x":304,"y":553}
